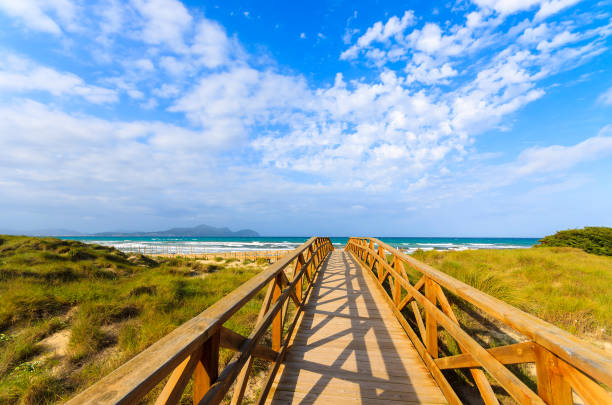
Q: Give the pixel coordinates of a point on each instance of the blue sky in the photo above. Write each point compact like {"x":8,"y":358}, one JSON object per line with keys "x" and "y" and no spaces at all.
{"x":466,"y":118}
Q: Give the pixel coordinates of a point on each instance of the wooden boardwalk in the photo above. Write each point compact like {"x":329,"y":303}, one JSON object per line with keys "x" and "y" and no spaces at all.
{"x":350,"y":341}
{"x":350,"y":348}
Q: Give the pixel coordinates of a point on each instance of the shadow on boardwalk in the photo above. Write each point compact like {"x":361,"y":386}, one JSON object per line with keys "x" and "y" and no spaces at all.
{"x":349,"y":347}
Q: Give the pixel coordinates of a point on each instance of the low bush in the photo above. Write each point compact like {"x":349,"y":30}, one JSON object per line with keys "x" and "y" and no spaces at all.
{"x":595,"y":240}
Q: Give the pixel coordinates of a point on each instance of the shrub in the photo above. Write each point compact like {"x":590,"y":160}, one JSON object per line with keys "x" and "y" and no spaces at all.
{"x":143,"y":289}
{"x":43,"y":390}
{"x":86,"y":337}
{"x":211,"y":268}
{"x":595,"y":240}
{"x":77,"y":254}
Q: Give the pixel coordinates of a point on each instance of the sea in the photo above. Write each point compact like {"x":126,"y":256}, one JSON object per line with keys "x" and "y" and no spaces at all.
{"x":213,"y":245}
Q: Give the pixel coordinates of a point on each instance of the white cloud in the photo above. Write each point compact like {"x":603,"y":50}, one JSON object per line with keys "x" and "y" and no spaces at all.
{"x":229,"y":102}
{"x":429,"y":39}
{"x":174,"y":66}
{"x":35,"y":14}
{"x":113,"y":17}
{"x":166,"y":90}
{"x":441,"y":44}
{"x":606,"y":97}
{"x":380,"y":33}
{"x":211,"y":44}
{"x":425,"y":70}
{"x":539,"y":160}
{"x":551,"y":7}
{"x":507,"y":7}
{"x":558,"y":40}
{"x":143,"y":64}
{"x":534,"y":34}
{"x":19,"y":75}
{"x":165,"y":22}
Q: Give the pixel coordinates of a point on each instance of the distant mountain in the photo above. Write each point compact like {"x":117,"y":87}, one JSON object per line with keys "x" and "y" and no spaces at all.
{"x":42,"y":232}
{"x":200,"y":231}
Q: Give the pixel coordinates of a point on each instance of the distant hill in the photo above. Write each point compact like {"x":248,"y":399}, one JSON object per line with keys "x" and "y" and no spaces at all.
{"x":200,"y":231}
{"x":591,"y":239}
{"x":42,"y":232}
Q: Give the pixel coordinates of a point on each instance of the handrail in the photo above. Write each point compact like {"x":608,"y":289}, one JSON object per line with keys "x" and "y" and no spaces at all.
{"x":193,"y":348}
{"x":563,"y":362}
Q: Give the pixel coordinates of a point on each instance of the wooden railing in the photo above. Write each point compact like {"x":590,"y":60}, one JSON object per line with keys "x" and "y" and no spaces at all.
{"x":192,"y":349}
{"x":564,"y":364}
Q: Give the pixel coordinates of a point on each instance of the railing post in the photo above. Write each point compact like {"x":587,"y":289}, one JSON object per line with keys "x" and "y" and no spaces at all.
{"x":207,"y":368}
{"x":431,"y":325}
{"x":310,"y":263}
{"x":298,"y":285}
{"x":277,"y":326}
{"x":380,"y":269}
{"x":397,"y":287}
{"x":552,"y":387}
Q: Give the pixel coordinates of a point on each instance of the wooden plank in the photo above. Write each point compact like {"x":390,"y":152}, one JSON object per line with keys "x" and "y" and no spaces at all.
{"x":206,"y":368}
{"x":363,"y":391}
{"x":291,"y":397}
{"x":277,"y":326}
{"x":552,"y":386}
{"x":243,"y":377}
{"x":232,"y":340}
{"x":408,"y":298}
{"x":482,"y":383}
{"x":397,"y":287}
{"x":173,"y":390}
{"x":587,"y":389}
{"x":310,"y":371}
{"x":419,"y":319}
{"x":431,"y":324}
{"x":511,"y":354}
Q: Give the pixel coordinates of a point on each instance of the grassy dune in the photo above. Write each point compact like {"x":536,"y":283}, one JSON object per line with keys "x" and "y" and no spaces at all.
{"x":565,"y":286}
{"x":71,"y":312}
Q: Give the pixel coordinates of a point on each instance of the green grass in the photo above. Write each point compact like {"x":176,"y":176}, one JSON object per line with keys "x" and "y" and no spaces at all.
{"x":113,"y":306}
{"x":565,"y":286}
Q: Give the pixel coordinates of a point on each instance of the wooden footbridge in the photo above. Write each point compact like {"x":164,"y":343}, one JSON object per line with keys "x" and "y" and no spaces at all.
{"x":367,"y":325}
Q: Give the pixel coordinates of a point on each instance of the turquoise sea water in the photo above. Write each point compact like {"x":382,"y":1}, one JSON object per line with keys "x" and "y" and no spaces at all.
{"x":202,"y":245}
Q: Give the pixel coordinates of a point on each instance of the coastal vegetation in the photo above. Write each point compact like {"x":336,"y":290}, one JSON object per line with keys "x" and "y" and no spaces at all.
{"x":73,"y":312}
{"x":596,"y":240}
{"x":564,"y":286}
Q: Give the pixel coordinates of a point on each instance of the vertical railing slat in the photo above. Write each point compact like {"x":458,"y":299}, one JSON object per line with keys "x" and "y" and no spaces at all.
{"x":207,"y":368}
{"x":431,"y":325}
